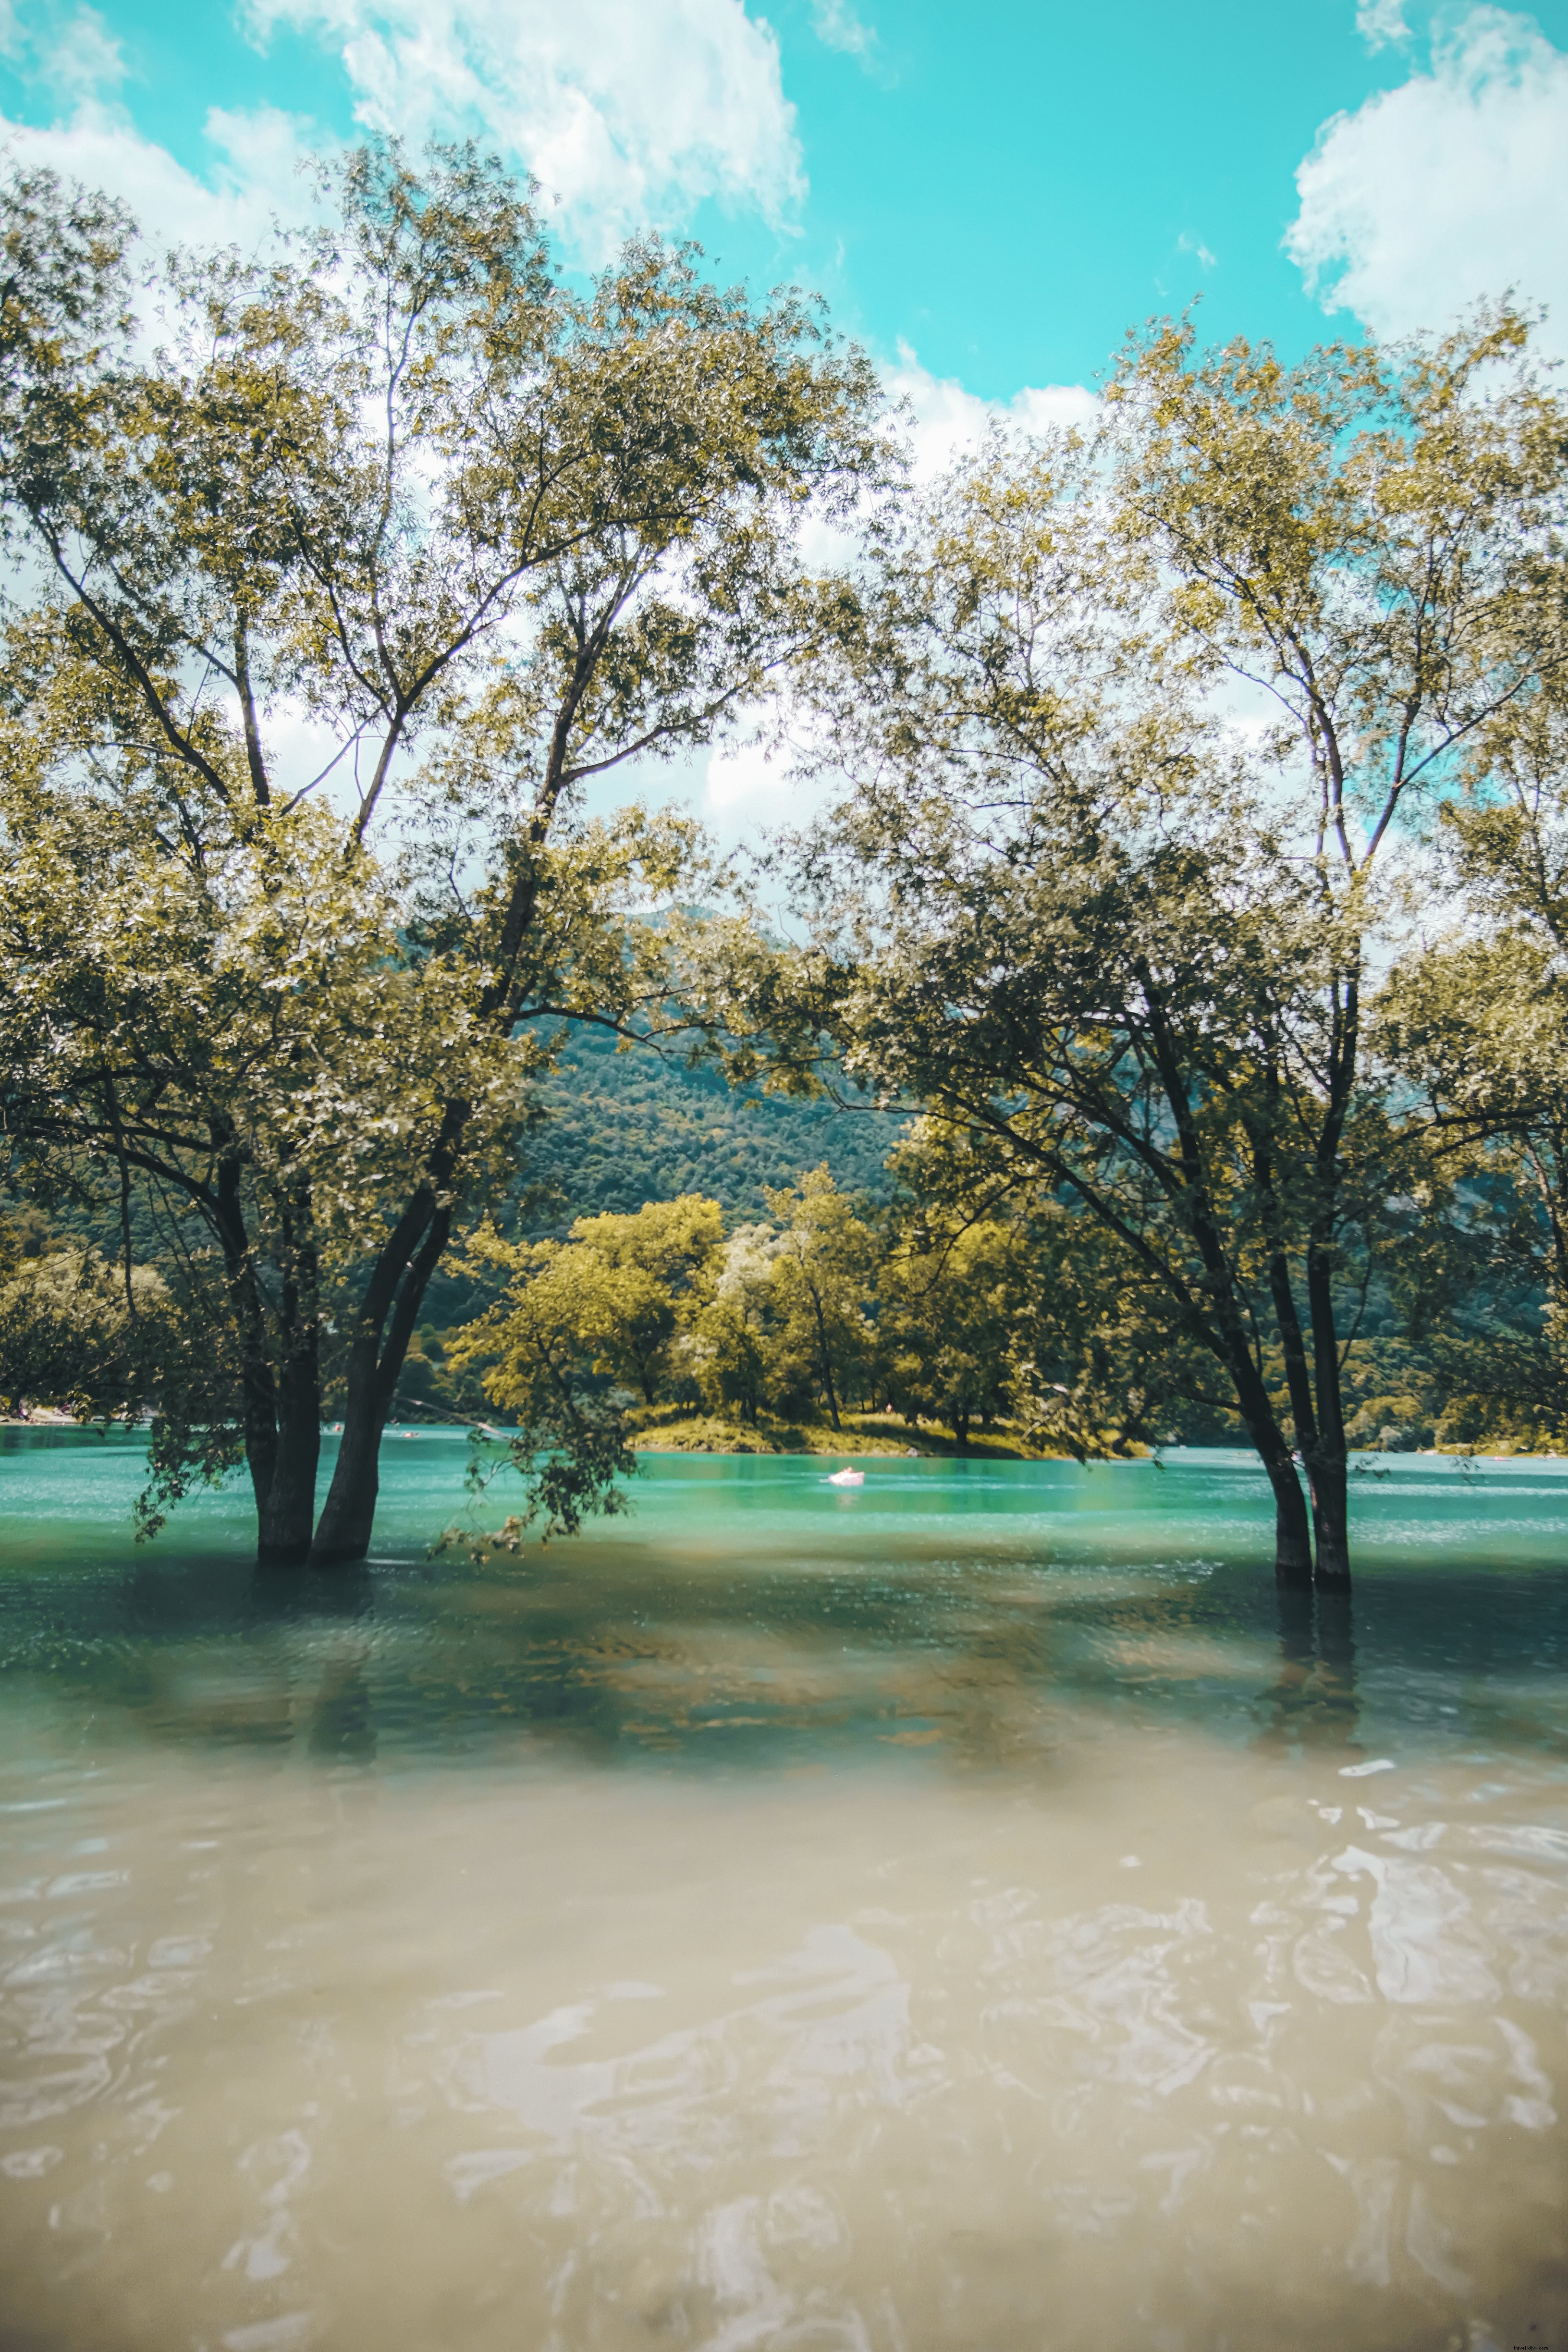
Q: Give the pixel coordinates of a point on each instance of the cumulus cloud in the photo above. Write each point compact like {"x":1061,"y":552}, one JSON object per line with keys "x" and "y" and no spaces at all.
{"x":945,"y":418}
{"x":86,"y":60}
{"x":251,"y":177}
{"x":1451,"y":186}
{"x":628,"y":111}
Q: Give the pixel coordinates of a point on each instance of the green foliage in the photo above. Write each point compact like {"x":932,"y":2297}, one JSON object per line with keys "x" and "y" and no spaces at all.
{"x":730,"y":1352}
{"x":951,"y":1310}
{"x":77,"y":1332}
{"x":495,"y":535}
{"x":821,"y":1283}
{"x":540,"y":1346}
{"x":573,"y":1324}
{"x":1115,"y":950}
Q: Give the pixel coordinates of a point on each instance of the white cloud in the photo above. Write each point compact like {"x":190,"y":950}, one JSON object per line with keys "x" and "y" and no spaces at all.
{"x":837,"y":26}
{"x":947,"y":419}
{"x":1452,"y":186}
{"x":629,"y":111}
{"x":86,"y":57}
{"x":252,"y":159}
{"x":251,"y":175}
{"x":1198,"y":250}
{"x":1381,"y":22}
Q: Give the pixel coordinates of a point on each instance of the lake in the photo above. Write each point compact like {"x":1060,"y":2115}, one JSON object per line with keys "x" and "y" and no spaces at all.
{"x":964,"y":1914}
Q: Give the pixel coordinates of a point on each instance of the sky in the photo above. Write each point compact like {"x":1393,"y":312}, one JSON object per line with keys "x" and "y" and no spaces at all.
{"x":988,"y":194}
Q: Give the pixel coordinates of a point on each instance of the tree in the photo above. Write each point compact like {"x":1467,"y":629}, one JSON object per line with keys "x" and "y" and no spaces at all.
{"x":242,"y":1038}
{"x":949,"y":1322}
{"x":1117,"y":949}
{"x":607,"y":1306}
{"x":489,"y":539}
{"x":820,"y":1287}
{"x":652,"y":1270}
{"x":77,"y":1332}
{"x":1476,"y":1018}
{"x":1371,"y":538}
{"x":538,"y":1350}
{"x":728,"y":1335}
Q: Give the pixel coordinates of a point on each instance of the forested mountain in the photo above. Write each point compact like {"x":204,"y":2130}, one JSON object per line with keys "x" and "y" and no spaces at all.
{"x":620,"y":1129}
{"x":626,"y":1127}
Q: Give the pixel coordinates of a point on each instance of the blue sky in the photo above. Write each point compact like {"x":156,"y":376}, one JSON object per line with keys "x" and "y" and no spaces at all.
{"x":987,"y":196}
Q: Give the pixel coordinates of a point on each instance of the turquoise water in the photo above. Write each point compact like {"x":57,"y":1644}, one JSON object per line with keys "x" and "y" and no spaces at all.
{"x":970,"y":1910}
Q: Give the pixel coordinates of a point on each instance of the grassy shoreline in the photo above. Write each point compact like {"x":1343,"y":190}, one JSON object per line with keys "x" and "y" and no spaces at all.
{"x":863,"y":1435}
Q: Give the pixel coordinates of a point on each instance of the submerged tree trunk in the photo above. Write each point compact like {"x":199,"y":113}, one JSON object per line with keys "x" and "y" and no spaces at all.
{"x":286,"y":1513}
{"x":348,"y":1515}
{"x":383,"y":1329}
{"x":1293,"y":1534}
{"x":280,"y":1400}
{"x":1328,"y":1468}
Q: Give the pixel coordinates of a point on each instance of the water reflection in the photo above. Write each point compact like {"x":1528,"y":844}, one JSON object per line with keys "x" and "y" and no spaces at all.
{"x":1312,"y":1703}
{"x":342,"y":1720}
{"x":625,"y":1652}
{"x":831,"y":1937}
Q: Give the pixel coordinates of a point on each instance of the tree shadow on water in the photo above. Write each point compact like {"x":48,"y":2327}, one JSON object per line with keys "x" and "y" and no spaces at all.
{"x":1313,"y":1701}
{"x":342,"y":1716}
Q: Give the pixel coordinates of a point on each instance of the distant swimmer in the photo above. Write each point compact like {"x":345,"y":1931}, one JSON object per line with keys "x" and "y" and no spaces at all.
{"x":847,"y":1477}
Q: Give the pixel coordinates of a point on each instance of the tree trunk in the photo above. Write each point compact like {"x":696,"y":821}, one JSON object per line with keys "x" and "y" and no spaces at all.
{"x":286,"y":1513}
{"x":1293,"y":1534}
{"x":383,"y":1329}
{"x":348,"y":1514}
{"x":1329,"y":1478}
{"x":1325,"y":1458}
{"x":961,"y":1430}
{"x":279,"y":1354}
{"x":259,"y":1397}
{"x":259,"y":1411}
{"x":826,"y":1357}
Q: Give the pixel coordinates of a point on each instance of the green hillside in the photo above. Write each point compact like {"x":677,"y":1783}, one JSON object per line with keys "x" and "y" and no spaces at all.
{"x":626,"y":1127}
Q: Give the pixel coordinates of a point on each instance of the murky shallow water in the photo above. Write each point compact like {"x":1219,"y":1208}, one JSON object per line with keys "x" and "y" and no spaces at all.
{"x":963,"y":1914}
